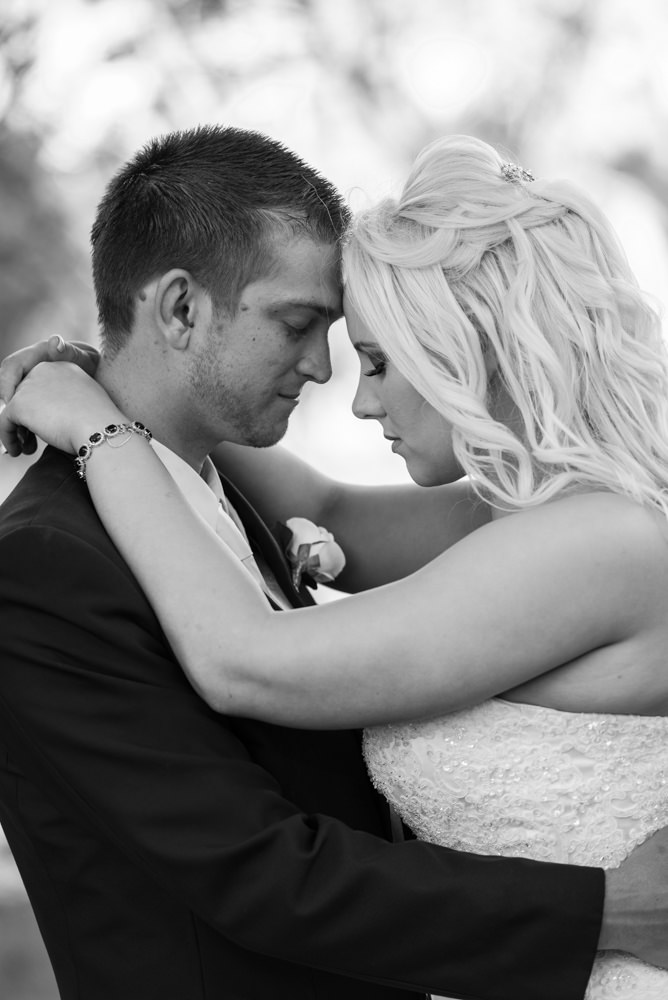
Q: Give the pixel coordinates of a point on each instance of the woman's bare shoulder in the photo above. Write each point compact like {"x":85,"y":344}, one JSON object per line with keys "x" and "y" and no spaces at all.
{"x":600,"y":516}
{"x":596,"y":540}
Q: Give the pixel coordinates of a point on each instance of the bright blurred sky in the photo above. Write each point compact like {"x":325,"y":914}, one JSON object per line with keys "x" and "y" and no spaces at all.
{"x":356,"y":87}
{"x":579,"y":88}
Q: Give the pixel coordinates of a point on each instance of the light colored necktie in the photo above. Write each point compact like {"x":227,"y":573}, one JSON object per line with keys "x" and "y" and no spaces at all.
{"x":264,"y":577}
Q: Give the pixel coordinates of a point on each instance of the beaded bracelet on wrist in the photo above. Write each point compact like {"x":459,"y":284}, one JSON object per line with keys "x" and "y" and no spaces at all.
{"x":110,"y":435}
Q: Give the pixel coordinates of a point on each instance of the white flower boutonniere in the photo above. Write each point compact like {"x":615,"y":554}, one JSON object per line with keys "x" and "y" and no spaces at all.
{"x":312,"y":552}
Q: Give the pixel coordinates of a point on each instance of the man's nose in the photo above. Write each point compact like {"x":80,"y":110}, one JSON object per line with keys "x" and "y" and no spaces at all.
{"x":366,"y":405}
{"x":316,"y":363}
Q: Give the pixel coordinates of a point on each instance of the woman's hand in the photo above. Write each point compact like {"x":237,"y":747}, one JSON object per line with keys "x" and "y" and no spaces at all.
{"x":61,"y":404}
{"x":16,"y":366}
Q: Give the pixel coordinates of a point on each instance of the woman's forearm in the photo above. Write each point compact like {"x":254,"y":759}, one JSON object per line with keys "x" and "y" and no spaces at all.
{"x":307,"y":666}
{"x":489,"y":614}
{"x":386,"y":532}
{"x":175,"y":556}
{"x":483,"y":618}
{"x":278,"y":483}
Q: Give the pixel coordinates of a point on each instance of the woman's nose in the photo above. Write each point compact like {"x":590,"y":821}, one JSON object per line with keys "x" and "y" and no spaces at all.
{"x":366,"y":405}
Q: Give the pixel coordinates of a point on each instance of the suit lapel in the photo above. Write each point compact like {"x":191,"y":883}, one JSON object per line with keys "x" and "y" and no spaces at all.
{"x":335,"y":780}
{"x":262,"y":540}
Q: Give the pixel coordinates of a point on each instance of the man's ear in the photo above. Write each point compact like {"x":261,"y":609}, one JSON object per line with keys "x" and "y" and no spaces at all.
{"x":179,"y":304}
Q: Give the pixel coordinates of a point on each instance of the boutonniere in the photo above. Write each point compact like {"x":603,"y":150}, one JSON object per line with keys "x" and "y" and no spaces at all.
{"x":311,"y":551}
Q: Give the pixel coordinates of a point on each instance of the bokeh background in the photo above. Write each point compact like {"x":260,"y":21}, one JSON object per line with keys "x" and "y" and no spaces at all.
{"x":573,"y":88}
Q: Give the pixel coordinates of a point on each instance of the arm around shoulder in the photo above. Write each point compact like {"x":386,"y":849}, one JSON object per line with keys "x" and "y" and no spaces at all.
{"x":297,"y":898}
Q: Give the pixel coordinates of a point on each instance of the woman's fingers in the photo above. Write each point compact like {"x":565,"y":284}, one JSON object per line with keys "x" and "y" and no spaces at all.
{"x":10,"y":440}
{"x":60,"y":404}
{"x":79,"y":353}
{"x":16,"y":366}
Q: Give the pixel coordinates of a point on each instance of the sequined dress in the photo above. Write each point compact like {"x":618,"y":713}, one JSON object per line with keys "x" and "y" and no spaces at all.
{"x":525,"y":781}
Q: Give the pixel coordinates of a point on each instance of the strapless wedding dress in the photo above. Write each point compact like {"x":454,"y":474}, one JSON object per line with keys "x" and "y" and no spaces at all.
{"x":525,"y":781}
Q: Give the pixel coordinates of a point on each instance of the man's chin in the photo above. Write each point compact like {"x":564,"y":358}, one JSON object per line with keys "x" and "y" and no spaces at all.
{"x":265,"y":437}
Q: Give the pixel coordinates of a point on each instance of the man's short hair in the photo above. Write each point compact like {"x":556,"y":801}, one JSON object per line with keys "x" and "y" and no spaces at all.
{"x":210,"y":200}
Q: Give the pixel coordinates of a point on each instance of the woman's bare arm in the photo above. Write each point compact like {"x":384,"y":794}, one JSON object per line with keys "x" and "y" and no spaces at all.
{"x":513,"y":600}
{"x":386,"y":532}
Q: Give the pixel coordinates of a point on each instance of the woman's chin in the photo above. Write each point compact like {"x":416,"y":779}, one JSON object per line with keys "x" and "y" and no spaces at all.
{"x":423,"y":475}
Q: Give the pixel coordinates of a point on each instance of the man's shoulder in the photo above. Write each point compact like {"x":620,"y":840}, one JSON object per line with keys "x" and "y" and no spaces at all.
{"x":46,"y":489}
{"x":51,"y":496}
{"x":49,"y":522}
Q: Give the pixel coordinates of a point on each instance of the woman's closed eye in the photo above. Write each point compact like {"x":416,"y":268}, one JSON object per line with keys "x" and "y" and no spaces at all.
{"x":378,"y":364}
{"x":378,"y":369}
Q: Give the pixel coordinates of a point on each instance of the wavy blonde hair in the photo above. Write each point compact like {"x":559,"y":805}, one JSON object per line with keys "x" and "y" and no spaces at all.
{"x":469,"y":273}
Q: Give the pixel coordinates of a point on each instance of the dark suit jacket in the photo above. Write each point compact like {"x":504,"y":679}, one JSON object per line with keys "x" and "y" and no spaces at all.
{"x":176,"y":854}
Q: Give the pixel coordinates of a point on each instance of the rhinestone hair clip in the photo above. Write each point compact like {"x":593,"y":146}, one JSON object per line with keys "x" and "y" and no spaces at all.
{"x":514,"y":173}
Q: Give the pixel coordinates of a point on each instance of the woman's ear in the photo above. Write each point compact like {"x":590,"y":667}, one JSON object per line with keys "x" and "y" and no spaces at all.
{"x":178,"y":303}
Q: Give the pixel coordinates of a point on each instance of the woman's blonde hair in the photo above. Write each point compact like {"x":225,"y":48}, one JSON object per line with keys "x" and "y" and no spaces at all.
{"x":472,"y":272}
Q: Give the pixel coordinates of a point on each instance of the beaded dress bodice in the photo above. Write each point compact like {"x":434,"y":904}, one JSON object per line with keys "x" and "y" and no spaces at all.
{"x":526,"y":781}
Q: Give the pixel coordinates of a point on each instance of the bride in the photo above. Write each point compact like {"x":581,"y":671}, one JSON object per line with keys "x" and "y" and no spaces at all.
{"x":501,"y":336}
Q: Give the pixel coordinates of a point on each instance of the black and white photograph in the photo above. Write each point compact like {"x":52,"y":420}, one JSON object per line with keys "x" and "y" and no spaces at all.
{"x":333,"y":500}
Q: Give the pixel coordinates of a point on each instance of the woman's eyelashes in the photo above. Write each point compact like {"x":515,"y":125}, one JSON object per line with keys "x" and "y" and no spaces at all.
{"x":378,"y":363}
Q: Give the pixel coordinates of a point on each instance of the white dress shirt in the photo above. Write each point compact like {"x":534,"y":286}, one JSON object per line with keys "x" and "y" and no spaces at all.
{"x":205,"y":495}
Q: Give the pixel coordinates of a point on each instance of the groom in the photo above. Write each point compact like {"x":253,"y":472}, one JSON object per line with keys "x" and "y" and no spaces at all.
{"x":173,"y":853}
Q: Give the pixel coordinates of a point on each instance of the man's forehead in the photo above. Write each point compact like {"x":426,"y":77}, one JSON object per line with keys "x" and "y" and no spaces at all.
{"x":304,"y":273}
